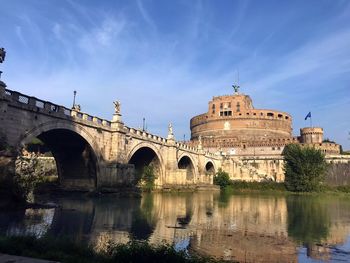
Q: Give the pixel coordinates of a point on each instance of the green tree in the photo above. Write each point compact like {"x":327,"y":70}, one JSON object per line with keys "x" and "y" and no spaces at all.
{"x":304,"y":168}
{"x":222,"y":178}
{"x":148,"y":178}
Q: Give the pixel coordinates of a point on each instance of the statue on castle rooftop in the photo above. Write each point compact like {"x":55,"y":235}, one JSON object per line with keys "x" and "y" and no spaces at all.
{"x":2,"y":55}
{"x":236,"y":88}
{"x":170,"y":129}
{"x":116,"y":107}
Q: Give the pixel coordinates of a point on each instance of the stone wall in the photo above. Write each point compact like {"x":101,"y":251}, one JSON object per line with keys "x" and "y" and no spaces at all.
{"x":338,"y":174}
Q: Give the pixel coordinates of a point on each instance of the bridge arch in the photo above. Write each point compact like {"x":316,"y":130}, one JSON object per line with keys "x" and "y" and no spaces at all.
{"x":210,"y":167}
{"x":144,"y":154}
{"x":186,"y":161}
{"x":76,"y":153}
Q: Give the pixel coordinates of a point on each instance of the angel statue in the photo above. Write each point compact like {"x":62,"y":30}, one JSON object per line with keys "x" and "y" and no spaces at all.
{"x":116,"y":107}
{"x":170,"y":129}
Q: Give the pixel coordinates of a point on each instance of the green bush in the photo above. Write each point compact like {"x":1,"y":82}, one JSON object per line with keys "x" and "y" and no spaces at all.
{"x":222,"y":178}
{"x":304,"y":168}
{"x":148,"y":178}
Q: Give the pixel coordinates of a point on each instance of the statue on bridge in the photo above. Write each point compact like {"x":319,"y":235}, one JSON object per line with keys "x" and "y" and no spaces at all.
{"x":2,"y":55}
{"x":116,"y":107}
{"x":170,"y":132}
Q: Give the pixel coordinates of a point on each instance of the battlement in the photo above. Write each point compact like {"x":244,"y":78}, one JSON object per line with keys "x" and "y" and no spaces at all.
{"x":311,"y":130}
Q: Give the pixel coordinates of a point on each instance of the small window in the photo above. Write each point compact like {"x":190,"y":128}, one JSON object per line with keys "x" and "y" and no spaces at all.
{"x":287,"y":117}
{"x":254,"y":114}
{"x":280,"y":116}
{"x":221,"y":113}
{"x":270,"y":114}
{"x":221,"y":105}
{"x":261,"y":114}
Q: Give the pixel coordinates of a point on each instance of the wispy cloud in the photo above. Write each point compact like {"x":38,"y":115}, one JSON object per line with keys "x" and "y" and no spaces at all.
{"x":165,"y":65}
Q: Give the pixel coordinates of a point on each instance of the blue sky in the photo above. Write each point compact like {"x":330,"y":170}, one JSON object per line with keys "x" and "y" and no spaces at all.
{"x":164,"y":60}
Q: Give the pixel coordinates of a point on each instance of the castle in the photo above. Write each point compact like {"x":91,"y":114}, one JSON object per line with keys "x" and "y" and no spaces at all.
{"x":234,"y":127}
{"x":250,"y":140}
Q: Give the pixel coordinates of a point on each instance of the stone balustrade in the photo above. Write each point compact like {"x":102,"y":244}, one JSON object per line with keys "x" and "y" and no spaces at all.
{"x":47,"y":107}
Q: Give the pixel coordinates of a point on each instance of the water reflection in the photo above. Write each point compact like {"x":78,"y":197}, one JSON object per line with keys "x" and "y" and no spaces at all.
{"x":308,"y":219}
{"x":246,"y":228}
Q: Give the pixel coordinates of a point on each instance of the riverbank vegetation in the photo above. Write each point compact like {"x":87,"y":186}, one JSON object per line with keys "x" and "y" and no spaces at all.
{"x":66,"y":251}
{"x":304,"y":167}
{"x":223,"y":180}
{"x":305,"y":171}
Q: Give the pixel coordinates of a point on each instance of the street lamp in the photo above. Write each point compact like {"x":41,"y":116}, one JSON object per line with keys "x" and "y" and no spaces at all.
{"x":74,"y":95}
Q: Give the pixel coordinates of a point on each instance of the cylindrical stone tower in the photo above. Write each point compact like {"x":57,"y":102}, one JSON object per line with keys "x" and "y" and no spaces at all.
{"x":311,"y":135}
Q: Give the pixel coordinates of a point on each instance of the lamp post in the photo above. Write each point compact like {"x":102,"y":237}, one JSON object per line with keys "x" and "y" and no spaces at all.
{"x":74,"y":95}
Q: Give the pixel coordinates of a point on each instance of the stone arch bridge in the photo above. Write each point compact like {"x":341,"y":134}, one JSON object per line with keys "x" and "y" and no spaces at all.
{"x":92,"y":153}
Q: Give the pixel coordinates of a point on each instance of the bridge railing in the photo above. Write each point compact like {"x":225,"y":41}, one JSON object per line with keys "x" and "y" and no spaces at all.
{"x":39,"y":105}
{"x":145,"y":134}
{"x":182,"y":146}
{"x":36,"y":104}
{"x":90,"y":118}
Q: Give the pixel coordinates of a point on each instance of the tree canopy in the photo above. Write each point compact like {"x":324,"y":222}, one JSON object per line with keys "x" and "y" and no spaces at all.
{"x":304,"y":168}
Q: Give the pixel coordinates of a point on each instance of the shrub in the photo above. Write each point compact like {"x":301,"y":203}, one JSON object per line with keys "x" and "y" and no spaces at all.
{"x":148,"y":178}
{"x":304,"y":168}
{"x":222,"y":178}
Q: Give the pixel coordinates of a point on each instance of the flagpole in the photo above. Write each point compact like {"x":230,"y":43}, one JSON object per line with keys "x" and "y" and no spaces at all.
{"x":310,"y":121}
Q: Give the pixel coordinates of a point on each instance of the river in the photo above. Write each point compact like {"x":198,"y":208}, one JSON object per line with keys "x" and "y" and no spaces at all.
{"x":241,"y":227}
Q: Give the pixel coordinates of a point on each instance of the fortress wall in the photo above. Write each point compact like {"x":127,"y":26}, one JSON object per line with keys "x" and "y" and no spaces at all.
{"x":238,"y":127}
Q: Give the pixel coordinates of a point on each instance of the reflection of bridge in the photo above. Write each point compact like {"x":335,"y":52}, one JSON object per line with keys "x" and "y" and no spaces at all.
{"x":94,"y":153}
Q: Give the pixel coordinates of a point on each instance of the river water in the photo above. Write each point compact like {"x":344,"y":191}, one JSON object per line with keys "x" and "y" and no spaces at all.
{"x":241,"y":227}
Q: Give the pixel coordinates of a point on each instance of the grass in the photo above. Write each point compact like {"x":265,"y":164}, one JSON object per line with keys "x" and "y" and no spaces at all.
{"x":243,"y":186}
{"x":274,"y":187}
{"x":264,"y":186}
{"x":64,"y":250}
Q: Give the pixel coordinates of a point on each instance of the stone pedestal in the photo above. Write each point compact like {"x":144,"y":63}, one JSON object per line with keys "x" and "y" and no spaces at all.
{"x":171,"y":140}
{"x":117,"y":121}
